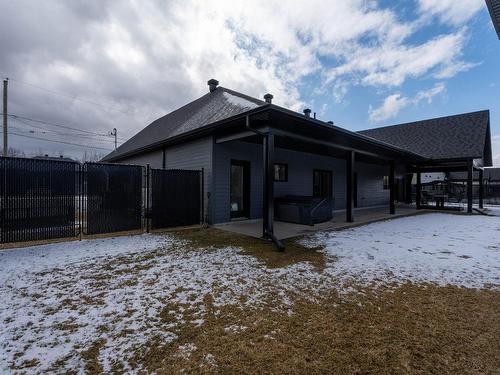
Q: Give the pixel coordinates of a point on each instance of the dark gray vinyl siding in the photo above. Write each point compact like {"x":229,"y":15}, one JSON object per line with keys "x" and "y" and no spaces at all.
{"x":223,"y":154}
{"x":300,"y":178}
{"x":154,"y":158}
{"x":371,"y":185}
{"x":193,"y":155}
{"x":190,"y":155}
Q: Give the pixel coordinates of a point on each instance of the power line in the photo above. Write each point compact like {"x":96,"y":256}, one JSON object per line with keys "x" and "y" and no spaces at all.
{"x":70,"y":96}
{"x":58,"y":125}
{"x":45,"y":130}
{"x":67,"y":143}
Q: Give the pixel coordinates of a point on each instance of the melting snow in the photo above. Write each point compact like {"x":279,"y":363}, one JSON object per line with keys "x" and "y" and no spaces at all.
{"x":438,"y":248}
{"x":58,"y":299}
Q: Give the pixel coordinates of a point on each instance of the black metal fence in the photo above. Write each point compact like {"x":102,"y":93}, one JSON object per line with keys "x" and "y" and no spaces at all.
{"x":38,"y":199}
{"x":44,"y":199}
{"x":175,"y":197}
{"x":112,"y":197}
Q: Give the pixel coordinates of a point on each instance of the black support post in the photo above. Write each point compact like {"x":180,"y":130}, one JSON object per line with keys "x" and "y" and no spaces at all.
{"x":350,"y":160}
{"x":268,"y":188}
{"x":265,"y":208}
{"x":408,"y":180}
{"x":469,"y":186}
{"x":146,"y":216}
{"x":270,"y":184}
{"x":481,"y":189}
{"x":418,"y":198}
{"x":392,"y":180}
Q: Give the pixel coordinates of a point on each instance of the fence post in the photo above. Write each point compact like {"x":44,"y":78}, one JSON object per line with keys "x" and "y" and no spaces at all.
{"x":147,"y":197}
{"x":80,"y":198}
{"x":202,"y":213}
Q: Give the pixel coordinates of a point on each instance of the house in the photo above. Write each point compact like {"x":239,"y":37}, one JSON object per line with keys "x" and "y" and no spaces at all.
{"x":494,"y":9}
{"x":54,"y":158}
{"x":255,"y":154}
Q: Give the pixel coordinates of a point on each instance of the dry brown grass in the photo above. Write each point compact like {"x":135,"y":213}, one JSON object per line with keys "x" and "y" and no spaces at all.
{"x":406,"y":330}
{"x":263,"y":250}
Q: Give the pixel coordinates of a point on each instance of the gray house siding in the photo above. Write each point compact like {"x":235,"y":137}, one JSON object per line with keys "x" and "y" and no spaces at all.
{"x":193,"y":155}
{"x":223,"y":154}
{"x":154,"y":158}
{"x":300,"y":178}
{"x":189,"y":155}
{"x":371,"y":190}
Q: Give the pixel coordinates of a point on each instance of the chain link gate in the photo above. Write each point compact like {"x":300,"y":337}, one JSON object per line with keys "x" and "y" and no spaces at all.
{"x":38,"y":199}
{"x":112,"y":199}
{"x":176,"y":197}
{"x":44,"y":199}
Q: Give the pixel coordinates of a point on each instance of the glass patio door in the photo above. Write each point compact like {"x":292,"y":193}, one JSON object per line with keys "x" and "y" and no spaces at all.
{"x":240,"y":189}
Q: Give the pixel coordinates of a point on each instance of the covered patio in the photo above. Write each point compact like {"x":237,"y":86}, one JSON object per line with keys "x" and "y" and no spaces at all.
{"x":284,"y":230}
{"x":280,"y":132}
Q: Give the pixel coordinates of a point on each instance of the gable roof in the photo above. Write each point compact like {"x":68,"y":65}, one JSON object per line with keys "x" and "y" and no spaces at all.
{"x":494,"y":8}
{"x":215,"y":106}
{"x":461,"y":136}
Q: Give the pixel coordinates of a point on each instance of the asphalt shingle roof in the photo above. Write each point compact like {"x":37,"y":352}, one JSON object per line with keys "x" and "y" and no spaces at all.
{"x":494,"y":9}
{"x":212,"y":107}
{"x":450,"y":137}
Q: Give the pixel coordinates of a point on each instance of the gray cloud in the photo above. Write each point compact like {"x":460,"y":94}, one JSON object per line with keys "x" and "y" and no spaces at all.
{"x":141,"y":59}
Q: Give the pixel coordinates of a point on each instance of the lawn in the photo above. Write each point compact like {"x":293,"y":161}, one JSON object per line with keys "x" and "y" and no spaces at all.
{"x":414,"y":295}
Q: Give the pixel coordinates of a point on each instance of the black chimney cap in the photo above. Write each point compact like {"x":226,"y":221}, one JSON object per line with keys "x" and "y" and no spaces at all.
{"x":330,"y":122}
{"x":212,"y":84}
{"x":307,"y":112}
{"x":268,"y":98}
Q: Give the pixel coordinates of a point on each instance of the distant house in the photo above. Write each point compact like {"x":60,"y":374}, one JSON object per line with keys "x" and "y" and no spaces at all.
{"x":257,"y":155}
{"x":56,"y":158}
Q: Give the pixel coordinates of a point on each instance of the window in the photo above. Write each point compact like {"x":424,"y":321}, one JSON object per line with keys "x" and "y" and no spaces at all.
{"x":322,"y":183}
{"x":280,"y":172}
{"x":386,"y":182}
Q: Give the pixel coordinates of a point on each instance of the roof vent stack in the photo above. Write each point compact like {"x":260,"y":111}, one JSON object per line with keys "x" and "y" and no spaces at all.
{"x":307,"y":112}
{"x":330,"y":122}
{"x":212,"y":85}
{"x":268,"y":98}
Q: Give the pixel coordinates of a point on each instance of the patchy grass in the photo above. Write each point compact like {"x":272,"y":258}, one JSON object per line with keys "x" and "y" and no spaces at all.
{"x":131,"y":321}
{"x":404,"y":330}
{"x":263,"y":250}
{"x":91,"y":357}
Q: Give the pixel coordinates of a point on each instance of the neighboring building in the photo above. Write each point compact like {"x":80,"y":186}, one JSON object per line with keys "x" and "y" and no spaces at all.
{"x":253,"y":151}
{"x":491,"y":182}
{"x":56,"y":158}
{"x":494,"y":9}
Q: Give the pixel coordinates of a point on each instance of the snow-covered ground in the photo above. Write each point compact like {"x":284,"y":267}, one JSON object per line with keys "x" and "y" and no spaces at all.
{"x":437,"y":248}
{"x":59,"y":299}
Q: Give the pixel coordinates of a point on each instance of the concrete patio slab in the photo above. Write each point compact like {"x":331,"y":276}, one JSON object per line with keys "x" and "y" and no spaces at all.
{"x":284,"y":230}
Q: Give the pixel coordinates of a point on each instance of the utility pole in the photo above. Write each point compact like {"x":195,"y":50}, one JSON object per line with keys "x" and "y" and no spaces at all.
{"x":5,"y":144}
{"x":115,"y":134}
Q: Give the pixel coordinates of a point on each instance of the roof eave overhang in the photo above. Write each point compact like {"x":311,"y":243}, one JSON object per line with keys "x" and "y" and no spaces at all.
{"x":185,"y":137}
{"x":307,"y":121}
{"x":369,"y":141}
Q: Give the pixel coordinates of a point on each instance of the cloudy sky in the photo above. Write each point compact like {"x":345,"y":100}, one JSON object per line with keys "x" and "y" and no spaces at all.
{"x":80,"y":68}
